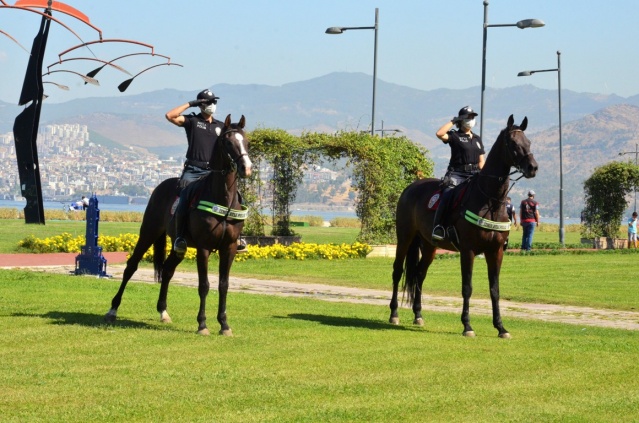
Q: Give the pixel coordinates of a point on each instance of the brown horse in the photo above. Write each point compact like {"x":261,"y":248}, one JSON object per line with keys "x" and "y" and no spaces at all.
{"x":214,"y":224}
{"x":482,"y":201}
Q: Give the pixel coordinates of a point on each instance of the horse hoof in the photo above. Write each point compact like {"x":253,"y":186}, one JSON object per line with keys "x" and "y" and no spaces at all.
{"x":419,"y":321}
{"x":110,"y":316}
{"x":504,"y":335}
{"x":469,"y":334}
{"x":226,"y":332}
{"x":165,"y":318}
{"x":394,"y":320}
{"x":204,"y":332}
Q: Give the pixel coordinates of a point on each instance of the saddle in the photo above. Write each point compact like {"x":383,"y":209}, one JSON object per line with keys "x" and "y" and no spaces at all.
{"x":457,"y":196}
{"x":456,"y":199}
{"x":192,"y":194}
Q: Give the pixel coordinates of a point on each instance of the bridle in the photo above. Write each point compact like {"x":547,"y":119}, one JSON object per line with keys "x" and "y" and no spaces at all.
{"x":232,"y":167}
{"x":511,"y":154}
{"x":516,"y":164}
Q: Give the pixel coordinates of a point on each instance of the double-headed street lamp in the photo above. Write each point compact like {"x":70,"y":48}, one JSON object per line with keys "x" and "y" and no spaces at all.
{"x":341,"y":29}
{"x":526,"y":23}
{"x":562,"y":231}
{"x":382,"y":131}
{"x":636,"y":153}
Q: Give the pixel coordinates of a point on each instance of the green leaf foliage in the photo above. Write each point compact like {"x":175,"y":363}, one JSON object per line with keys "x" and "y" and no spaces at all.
{"x":606,"y":197}
{"x":382,"y":168}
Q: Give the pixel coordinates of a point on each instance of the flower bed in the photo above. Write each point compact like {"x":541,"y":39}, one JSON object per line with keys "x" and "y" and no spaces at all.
{"x":126,"y":242}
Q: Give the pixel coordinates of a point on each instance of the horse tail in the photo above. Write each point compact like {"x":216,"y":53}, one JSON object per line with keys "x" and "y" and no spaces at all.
{"x":411,"y":278}
{"x":159,"y":255}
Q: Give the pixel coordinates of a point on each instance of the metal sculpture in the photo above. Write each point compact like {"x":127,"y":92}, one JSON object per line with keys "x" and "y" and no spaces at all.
{"x":26,"y":124}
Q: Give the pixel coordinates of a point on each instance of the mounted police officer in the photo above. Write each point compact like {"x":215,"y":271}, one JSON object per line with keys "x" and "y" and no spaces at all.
{"x":202,"y":131}
{"x":467,"y":159}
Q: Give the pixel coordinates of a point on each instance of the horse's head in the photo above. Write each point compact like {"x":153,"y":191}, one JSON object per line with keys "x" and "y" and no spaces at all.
{"x":234,"y":147}
{"x":517,"y":148}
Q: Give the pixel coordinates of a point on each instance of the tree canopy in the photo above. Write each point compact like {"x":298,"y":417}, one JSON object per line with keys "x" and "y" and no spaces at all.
{"x":606,"y":200}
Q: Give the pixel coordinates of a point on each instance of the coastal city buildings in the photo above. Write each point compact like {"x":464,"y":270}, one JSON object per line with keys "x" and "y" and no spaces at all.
{"x":72,"y":165}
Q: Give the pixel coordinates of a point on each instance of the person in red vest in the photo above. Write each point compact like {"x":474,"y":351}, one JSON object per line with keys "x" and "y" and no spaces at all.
{"x":529,"y":220}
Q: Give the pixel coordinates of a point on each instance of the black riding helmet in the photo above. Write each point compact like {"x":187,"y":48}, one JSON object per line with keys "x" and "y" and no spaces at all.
{"x":208,"y":96}
{"x":466,"y":113}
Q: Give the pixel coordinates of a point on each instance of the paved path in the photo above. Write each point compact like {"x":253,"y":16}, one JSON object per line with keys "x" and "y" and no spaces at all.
{"x":584,"y":316}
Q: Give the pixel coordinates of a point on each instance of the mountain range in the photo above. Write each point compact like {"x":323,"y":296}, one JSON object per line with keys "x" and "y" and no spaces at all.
{"x":595,"y":127}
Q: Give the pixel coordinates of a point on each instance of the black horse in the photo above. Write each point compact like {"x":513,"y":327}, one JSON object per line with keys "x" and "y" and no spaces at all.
{"x":215,"y":222}
{"x":477,"y":224}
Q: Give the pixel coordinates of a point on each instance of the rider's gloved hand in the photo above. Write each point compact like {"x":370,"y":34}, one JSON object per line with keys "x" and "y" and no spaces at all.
{"x":199,"y":102}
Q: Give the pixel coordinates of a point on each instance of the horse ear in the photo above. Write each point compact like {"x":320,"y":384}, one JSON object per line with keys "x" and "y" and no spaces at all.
{"x":227,"y":121}
{"x":524,"y":124}
{"x":242,"y":122}
{"x":511,"y":121}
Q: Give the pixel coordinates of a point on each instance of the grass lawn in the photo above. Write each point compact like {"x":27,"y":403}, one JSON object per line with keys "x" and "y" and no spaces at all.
{"x":292,"y":360}
{"x":597,"y":280}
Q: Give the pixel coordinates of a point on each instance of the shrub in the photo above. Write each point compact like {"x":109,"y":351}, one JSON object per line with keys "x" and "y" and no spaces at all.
{"x":346,"y":222}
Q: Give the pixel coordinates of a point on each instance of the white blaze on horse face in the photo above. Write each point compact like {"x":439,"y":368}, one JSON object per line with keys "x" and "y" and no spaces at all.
{"x":246,"y":161}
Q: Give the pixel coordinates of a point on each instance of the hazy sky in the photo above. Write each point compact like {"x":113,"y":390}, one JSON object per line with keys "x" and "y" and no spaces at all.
{"x":424,"y":44}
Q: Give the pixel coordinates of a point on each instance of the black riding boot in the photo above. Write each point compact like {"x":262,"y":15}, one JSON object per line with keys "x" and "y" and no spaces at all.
{"x":179,"y":246}
{"x":439,"y":232}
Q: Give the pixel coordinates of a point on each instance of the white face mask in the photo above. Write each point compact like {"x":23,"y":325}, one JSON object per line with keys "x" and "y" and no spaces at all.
{"x":468,"y":123}
{"x":209,"y":109}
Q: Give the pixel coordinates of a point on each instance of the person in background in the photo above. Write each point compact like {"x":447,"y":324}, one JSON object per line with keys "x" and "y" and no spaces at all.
{"x":529,"y":219}
{"x":467,"y":157}
{"x":202,"y":131}
{"x":632,"y":231}
{"x":512,"y":216}
{"x":85,"y":203}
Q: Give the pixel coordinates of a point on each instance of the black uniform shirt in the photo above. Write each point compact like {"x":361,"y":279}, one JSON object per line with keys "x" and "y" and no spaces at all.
{"x":464,"y":149}
{"x":201,"y":136}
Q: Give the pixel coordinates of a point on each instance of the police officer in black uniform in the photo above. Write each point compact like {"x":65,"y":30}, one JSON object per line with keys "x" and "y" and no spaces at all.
{"x":467,"y":159}
{"x":202,"y":131}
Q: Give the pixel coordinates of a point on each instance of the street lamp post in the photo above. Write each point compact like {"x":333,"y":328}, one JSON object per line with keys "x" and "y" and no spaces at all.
{"x":562,"y":230}
{"x":636,"y":153}
{"x":526,"y":23}
{"x":341,"y":29}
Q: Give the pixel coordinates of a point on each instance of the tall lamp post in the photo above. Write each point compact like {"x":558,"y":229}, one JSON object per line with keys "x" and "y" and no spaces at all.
{"x":636,"y":153}
{"x":562,"y":230}
{"x":526,"y":23}
{"x":341,"y":29}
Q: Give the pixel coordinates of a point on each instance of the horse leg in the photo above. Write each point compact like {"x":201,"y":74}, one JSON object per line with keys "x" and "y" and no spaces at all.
{"x":168,"y":270}
{"x":131,"y":267}
{"x":428,"y":255}
{"x":398,"y":271}
{"x":202,"y":288}
{"x":467,"y":261}
{"x":226,"y":260}
{"x":493,"y":261}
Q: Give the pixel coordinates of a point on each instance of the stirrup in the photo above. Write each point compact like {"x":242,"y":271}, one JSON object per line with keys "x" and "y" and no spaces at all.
{"x":241,"y":246}
{"x":438,"y":233}
{"x":179,"y":246}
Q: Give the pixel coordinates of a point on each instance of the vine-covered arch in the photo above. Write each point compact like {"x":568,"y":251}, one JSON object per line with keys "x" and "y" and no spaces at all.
{"x":382,"y":168}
